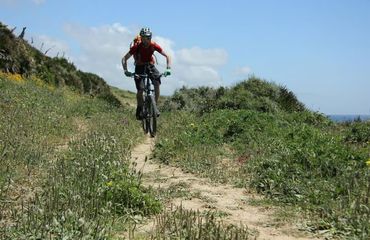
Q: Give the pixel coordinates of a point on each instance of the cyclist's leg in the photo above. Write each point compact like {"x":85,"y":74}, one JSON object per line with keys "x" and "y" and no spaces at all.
{"x":140,"y":89}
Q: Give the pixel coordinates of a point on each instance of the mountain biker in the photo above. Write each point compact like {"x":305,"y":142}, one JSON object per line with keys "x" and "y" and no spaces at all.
{"x":144,"y":60}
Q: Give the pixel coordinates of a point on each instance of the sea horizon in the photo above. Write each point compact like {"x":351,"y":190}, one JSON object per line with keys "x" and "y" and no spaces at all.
{"x":348,"y":117}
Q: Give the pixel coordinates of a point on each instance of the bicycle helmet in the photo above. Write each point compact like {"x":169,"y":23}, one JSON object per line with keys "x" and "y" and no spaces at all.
{"x":145,"y":32}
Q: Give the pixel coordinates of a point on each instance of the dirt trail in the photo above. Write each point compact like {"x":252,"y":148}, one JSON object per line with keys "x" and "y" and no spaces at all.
{"x":234,"y":202}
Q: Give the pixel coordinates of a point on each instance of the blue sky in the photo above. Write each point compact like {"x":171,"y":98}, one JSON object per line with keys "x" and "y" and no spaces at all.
{"x":319,"y":49}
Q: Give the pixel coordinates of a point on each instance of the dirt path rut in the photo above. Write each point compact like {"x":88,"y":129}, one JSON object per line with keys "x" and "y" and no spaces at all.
{"x":233,"y":202}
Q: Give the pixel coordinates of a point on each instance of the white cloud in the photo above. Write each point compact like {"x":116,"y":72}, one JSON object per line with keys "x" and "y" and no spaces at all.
{"x":199,"y":56}
{"x":242,"y":71}
{"x":102,"y":48}
{"x":52,"y":47}
{"x":167,"y":46}
{"x":191,"y":76}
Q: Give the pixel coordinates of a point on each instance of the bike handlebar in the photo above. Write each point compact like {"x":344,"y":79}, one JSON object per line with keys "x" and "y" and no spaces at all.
{"x":145,"y":75}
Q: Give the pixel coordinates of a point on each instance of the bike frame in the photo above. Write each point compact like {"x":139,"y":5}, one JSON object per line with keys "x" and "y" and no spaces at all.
{"x":150,"y":110}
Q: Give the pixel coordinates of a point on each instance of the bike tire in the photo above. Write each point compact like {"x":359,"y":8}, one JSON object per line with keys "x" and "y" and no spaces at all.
{"x":145,"y":125}
{"x":152,"y":119}
{"x":144,"y":120}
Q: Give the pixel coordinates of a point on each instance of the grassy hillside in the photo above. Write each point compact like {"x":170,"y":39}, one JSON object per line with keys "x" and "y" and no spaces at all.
{"x":259,"y":135}
{"x":65,"y":163}
{"x":17,"y":56}
{"x":65,"y":171}
{"x":126,"y":97}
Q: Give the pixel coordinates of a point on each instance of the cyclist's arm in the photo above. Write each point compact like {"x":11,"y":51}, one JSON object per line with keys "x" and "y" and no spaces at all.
{"x":168,"y":59}
{"x":124,"y":61}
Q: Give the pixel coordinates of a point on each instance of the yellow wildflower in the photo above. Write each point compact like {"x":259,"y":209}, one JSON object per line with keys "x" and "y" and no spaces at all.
{"x":368,"y":162}
{"x":109,"y":184}
{"x":13,"y":77}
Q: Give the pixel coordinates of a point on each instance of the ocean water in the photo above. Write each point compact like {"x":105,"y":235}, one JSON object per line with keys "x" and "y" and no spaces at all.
{"x":348,"y":117}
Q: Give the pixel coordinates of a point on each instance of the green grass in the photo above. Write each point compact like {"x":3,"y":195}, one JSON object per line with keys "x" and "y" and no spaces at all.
{"x":297,"y":158}
{"x":126,"y":97}
{"x":65,"y":169}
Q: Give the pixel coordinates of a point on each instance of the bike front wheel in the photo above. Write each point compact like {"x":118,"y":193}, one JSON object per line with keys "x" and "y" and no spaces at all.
{"x":144,"y":119}
{"x":152,"y":120}
{"x":149,"y":120}
{"x":145,"y":125}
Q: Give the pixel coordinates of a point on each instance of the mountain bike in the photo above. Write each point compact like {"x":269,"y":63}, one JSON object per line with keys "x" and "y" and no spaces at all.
{"x":150,"y":111}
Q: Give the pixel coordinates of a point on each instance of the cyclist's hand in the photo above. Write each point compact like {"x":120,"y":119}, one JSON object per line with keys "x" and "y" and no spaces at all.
{"x":129,"y":74}
{"x":167,"y":72}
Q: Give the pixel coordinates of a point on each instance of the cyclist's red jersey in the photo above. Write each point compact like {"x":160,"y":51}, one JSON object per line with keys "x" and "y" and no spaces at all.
{"x":145,"y":54}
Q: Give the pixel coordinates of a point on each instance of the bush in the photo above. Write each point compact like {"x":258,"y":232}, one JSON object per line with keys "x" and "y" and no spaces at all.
{"x":358,"y":132}
{"x":253,"y":94}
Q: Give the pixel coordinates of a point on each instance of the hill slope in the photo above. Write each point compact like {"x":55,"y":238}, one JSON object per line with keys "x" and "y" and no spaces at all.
{"x":19,"y":57}
{"x":258,"y":135}
{"x":64,"y":169}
